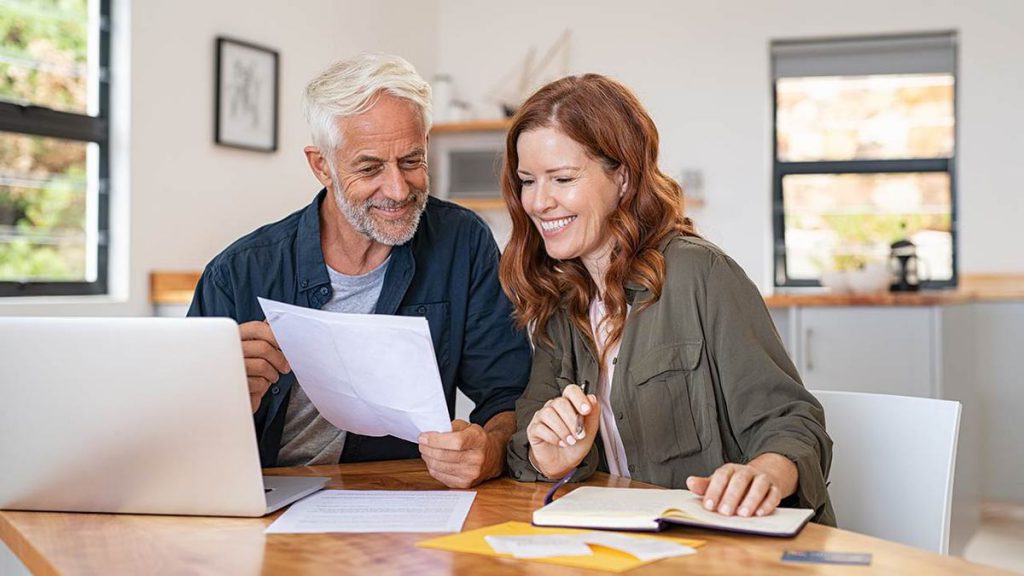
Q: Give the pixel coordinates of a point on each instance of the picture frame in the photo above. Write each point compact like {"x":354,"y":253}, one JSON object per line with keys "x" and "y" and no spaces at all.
{"x":246,"y":95}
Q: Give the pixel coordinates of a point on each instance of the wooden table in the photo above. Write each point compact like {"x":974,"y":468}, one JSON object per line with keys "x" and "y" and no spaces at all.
{"x":66,"y":543}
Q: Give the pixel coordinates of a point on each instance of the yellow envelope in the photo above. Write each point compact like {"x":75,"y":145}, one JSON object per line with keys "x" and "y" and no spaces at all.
{"x":603,"y":558}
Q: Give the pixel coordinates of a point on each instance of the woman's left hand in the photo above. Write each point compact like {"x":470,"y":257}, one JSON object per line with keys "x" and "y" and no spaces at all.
{"x":747,"y":489}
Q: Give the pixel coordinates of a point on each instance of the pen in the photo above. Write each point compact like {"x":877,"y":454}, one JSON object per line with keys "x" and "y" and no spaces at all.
{"x":550,"y":496}
{"x":579,"y":419}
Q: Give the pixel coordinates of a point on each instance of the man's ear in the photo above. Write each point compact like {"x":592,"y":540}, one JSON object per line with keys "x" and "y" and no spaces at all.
{"x":318,"y":164}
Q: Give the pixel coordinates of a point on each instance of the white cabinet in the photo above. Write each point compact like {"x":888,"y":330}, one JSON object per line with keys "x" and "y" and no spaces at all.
{"x":884,"y":350}
{"x":783,"y":319}
{"x":926,"y":351}
{"x":170,"y":310}
{"x":998,"y":380}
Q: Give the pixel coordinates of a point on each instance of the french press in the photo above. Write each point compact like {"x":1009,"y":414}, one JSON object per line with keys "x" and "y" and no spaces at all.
{"x":904,"y":267}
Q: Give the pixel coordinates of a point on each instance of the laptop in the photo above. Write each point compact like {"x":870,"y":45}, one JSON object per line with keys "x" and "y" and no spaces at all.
{"x":131,"y":415}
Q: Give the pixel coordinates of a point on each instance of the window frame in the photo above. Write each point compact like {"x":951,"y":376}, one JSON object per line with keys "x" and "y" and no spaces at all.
{"x":34,"y":120}
{"x":780,"y":169}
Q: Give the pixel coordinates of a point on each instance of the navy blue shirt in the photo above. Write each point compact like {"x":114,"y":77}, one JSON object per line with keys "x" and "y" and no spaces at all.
{"x":448,"y":273}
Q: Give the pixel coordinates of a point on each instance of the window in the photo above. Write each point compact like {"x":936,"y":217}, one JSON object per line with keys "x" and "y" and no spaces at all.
{"x":54,"y":153}
{"x":864,"y":154}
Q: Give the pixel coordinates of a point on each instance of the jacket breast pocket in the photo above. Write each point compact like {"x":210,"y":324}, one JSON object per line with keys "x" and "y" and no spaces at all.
{"x":436,"y":314}
{"x":662,"y":380}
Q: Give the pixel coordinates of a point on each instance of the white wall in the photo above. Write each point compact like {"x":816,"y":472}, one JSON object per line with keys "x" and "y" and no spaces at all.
{"x":189,"y":198}
{"x":700,"y":67}
{"x":702,"y":70}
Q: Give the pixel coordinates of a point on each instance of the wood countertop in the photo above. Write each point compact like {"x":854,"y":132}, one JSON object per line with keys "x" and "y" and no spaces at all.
{"x":176,"y":288}
{"x":973,"y":288}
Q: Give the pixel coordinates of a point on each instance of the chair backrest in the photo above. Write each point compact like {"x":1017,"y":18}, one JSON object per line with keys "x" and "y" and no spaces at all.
{"x":892,"y":465}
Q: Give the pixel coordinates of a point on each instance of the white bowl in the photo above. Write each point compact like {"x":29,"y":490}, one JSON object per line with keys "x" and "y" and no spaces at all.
{"x":835,"y":281}
{"x":868,"y":280}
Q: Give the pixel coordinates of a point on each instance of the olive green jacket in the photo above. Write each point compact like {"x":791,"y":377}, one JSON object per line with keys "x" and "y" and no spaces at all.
{"x":701,"y":379}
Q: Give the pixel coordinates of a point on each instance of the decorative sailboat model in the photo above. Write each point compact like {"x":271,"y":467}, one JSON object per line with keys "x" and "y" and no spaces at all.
{"x":520,"y":82}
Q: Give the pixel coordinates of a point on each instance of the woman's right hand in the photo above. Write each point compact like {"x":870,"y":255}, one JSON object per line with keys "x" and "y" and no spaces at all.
{"x":563,"y":431}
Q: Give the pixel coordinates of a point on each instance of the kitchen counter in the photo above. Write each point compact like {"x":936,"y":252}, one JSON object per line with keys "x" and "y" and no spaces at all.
{"x":976,"y":288}
{"x":176,"y":288}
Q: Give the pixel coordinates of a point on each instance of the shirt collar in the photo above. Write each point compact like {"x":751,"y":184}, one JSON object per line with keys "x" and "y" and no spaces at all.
{"x":312,"y":269}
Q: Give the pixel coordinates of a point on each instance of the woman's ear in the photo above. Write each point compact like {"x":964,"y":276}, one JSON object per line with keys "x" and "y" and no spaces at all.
{"x":622,"y":177}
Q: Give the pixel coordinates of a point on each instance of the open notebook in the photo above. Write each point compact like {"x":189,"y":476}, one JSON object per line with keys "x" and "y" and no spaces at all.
{"x":652,"y":509}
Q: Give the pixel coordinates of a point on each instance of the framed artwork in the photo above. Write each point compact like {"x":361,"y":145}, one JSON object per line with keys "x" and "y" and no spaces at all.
{"x":246,"y":96}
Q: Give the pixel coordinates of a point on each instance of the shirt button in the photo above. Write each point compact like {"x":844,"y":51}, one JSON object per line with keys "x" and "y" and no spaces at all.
{"x":323,"y":290}
{"x":615,"y":360}
{"x":632,"y":468}
{"x":275,"y":390}
{"x":618,"y":415}
{"x":421,"y":310}
{"x":305,"y":283}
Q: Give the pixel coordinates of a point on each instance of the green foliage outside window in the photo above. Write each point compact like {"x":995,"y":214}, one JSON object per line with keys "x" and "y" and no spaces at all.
{"x":43,"y":62}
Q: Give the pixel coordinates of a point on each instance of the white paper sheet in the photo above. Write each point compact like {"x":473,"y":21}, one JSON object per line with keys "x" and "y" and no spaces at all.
{"x":370,"y":374}
{"x":540,"y":546}
{"x":646,"y":549}
{"x":376,"y":511}
{"x":550,"y":545}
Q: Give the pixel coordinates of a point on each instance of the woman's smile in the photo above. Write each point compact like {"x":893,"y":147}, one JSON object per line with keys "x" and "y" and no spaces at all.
{"x":552,"y":227}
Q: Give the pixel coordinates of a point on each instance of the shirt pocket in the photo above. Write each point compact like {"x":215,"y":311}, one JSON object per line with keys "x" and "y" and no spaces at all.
{"x":436,"y":314}
{"x":661,"y":380}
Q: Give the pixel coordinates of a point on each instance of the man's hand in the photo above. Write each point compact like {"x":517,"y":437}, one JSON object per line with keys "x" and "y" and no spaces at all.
{"x":264,"y":361}
{"x":747,"y":490}
{"x":469,"y":454}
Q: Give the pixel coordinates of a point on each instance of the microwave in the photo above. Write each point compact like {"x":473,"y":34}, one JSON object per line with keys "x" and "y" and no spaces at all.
{"x":466,"y":165}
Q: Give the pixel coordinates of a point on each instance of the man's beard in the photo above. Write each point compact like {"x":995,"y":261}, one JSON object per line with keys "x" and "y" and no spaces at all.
{"x":391,"y":233}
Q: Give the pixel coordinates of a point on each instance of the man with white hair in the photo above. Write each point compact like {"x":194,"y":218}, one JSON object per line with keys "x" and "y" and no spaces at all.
{"x":374,"y":241}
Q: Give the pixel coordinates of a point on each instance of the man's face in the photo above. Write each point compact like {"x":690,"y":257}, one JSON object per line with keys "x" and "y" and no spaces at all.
{"x":379,"y":172}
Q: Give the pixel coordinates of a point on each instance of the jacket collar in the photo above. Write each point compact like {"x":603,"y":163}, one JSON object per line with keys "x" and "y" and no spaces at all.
{"x":310,"y":268}
{"x":634,"y":290}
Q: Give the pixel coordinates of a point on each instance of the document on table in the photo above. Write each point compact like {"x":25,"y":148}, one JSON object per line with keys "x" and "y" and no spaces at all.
{"x":371,"y":374}
{"x":376,"y":511}
{"x":558,"y":545}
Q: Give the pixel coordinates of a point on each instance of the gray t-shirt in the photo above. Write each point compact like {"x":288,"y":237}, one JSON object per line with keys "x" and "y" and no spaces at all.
{"x":308,"y":439}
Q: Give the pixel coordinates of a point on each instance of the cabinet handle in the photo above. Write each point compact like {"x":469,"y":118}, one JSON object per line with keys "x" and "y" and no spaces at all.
{"x":808,"y":362}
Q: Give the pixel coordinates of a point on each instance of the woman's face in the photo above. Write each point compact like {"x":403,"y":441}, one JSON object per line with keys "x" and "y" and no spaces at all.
{"x":568,"y":195}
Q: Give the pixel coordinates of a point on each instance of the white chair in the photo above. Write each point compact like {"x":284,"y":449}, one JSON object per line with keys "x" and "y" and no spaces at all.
{"x":892,"y":465}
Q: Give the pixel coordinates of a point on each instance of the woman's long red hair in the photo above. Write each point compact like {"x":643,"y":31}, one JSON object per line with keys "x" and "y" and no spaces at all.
{"x":609,"y":122}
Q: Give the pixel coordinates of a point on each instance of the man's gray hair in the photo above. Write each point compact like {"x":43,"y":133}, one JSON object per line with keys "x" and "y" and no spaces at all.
{"x":351,"y":87}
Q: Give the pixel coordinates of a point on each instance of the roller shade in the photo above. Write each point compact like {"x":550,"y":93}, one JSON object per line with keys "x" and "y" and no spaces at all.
{"x":933,"y":53}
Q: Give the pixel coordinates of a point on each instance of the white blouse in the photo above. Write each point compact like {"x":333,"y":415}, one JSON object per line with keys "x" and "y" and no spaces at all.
{"x":614,"y":453}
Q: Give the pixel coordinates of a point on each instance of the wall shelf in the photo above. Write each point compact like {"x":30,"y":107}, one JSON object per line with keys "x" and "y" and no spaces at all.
{"x":471,"y":126}
{"x":172,"y":287}
{"x":478,"y":204}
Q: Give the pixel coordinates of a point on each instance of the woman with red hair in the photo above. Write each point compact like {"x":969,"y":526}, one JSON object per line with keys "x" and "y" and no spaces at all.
{"x":655,"y":357}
